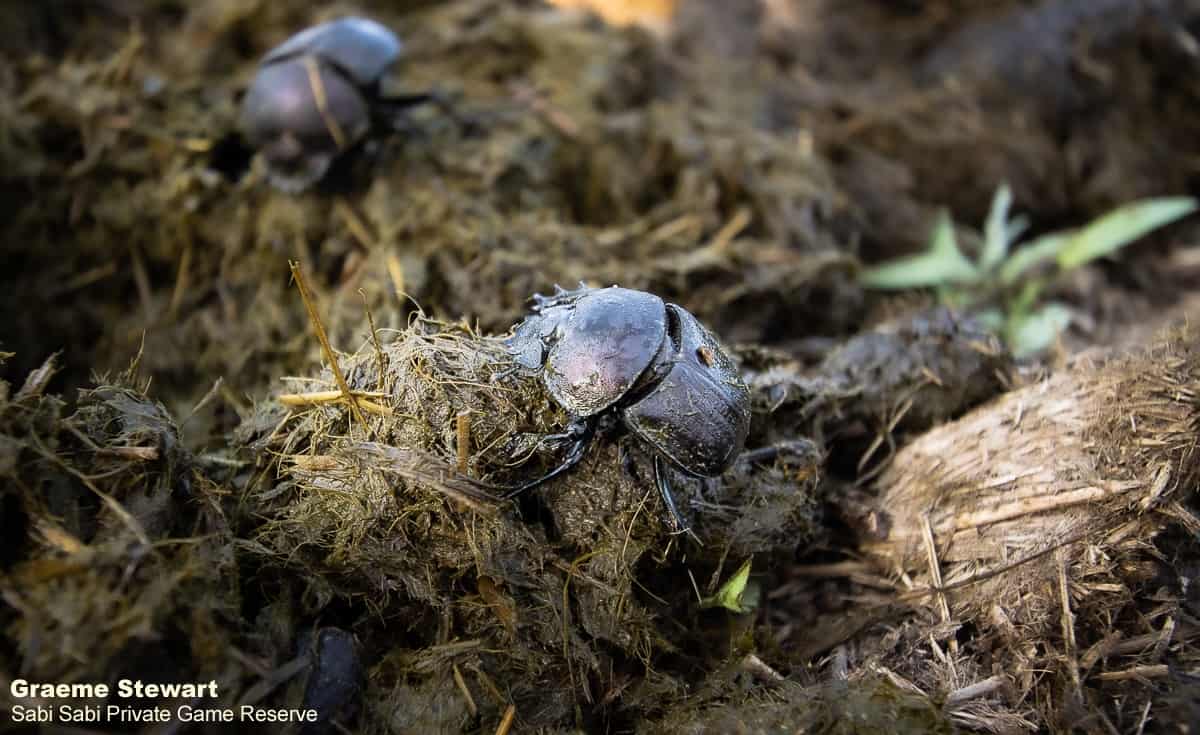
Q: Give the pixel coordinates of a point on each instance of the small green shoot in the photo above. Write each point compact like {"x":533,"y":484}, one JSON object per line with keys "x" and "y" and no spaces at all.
{"x":942,"y":265}
{"x":1108,"y":234}
{"x":733,"y":594}
{"x":1003,"y":286}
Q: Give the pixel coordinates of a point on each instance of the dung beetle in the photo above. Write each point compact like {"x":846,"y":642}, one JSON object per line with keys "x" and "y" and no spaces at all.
{"x":318,"y":94}
{"x":618,"y":356}
{"x":335,"y":678}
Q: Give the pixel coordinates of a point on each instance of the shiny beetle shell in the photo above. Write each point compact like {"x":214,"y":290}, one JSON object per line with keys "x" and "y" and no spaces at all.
{"x":360,"y":48}
{"x":698,"y":414}
{"x":653,"y":362}
{"x":612,"y":336}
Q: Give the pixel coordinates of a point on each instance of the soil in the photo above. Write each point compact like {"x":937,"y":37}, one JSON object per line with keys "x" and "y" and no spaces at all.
{"x":198,"y":482}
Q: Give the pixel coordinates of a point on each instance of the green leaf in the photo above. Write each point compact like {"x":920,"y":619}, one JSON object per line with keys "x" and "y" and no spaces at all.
{"x":729,"y":596}
{"x":1037,"y":331}
{"x":1039,"y":250}
{"x":996,"y":237}
{"x":943,"y":263}
{"x":1021,"y":305}
{"x":1118,"y":228}
{"x":1016,"y":227}
{"x":942,"y":239}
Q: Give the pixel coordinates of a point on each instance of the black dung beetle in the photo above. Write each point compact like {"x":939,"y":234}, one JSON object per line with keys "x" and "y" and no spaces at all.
{"x":318,"y":94}
{"x":621,"y":355}
{"x":335,"y":678}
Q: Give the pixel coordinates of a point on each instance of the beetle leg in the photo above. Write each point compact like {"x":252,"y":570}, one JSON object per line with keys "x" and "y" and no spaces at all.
{"x":403,"y":101}
{"x":663,"y":481}
{"x":803,"y":449}
{"x":581,"y":432}
{"x":395,"y":105}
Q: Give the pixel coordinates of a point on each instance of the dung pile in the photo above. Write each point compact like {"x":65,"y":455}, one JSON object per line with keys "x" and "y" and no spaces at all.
{"x":1050,"y":550}
{"x":117,"y":557}
{"x":576,"y":592}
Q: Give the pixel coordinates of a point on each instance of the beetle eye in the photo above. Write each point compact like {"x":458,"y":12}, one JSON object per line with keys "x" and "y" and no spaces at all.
{"x":705,"y":355}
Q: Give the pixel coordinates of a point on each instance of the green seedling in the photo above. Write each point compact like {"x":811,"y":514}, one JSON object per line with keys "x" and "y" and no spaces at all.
{"x":737,"y":595}
{"x":1004,"y":284}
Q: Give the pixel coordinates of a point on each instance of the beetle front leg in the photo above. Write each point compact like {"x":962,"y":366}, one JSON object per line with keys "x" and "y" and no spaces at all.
{"x":663,"y":482}
{"x":581,"y":433}
{"x":802,"y":449}
{"x":394,"y":106}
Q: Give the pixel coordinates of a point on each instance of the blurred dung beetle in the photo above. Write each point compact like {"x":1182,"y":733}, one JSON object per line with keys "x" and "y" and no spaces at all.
{"x":614,"y":356}
{"x":335,"y":678}
{"x":318,"y":94}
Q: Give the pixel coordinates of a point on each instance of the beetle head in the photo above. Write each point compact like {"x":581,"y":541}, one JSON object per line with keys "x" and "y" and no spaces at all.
{"x":300,"y":114}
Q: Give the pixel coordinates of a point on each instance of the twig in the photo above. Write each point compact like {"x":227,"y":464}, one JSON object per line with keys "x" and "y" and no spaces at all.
{"x":319,"y":328}
{"x":463,"y":444}
{"x":274,"y":678}
{"x":959,"y":697}
{"x":354,"y":223}
{"x":35,"y":383}
{"x":486,"y":682}
{"x":510,"y":714}
{"x":1164,"y":639}
{"x":1156,"y":671}
{"x":1035,"y":505}
{"x":395,"y":271}
{"x":761,"y":669}
{"x":731,"y":229}
{"x":211,"y":395}
{"x":140,"y":454}
{"x":379,"y":359}
{"x":935,"y":574}
{"x":334,"y":396}
{"x":318,"y":90}
{"x":1068,"y":619}
{"x":560,"y":121}
{"x":428,"y":470}
{"x":1106,"y":647}
{"x":142,"y":281}
{"x":87,"y":278}
{"x":993,"y":573}
{"x":1145,"y":716}
{"x":182,"y":277}
{"x":126,"y":517}
{"x":462,"y":687}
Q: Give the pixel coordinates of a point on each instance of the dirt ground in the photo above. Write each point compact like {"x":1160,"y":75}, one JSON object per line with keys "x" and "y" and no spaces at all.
{"x":940,"y":537}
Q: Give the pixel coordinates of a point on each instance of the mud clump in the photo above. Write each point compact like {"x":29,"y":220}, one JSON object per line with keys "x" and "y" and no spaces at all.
{"x":903,"y":376}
